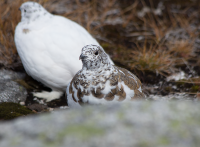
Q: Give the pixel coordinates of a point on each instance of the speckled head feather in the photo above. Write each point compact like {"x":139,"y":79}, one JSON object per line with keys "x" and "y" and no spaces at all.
{"x":94,"y":57}
{"x":30,"y":11}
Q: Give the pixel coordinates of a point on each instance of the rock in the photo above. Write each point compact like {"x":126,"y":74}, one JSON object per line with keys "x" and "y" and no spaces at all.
{"x":10,"y":90}
{"x":176,"y":76}
{"x":37,"y":107}
{"x":140,"y":123}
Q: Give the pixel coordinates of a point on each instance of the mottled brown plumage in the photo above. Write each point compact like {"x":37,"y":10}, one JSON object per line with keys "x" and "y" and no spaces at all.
{"x":104,"y":83}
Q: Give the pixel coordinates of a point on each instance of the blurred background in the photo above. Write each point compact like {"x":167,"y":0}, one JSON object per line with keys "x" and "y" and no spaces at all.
{"x":158,"y":40}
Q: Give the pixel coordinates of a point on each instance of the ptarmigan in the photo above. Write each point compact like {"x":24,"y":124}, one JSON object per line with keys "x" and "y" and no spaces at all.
{"x":100,"y":82}
{"x":49,"y":47}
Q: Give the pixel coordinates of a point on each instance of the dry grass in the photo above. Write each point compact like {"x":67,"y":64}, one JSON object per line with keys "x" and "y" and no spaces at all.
{"x":152,"y":59}
{"x":9,"y":19}
{"x":161,"y":55}
{"x":137,"y":42}
{"x":181,"y":49}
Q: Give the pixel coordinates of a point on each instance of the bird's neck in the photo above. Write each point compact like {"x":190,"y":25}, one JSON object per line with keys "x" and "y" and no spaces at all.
{"x":91,"y":66}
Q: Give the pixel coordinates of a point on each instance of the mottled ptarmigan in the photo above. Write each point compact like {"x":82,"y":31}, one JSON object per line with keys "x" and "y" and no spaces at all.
{"x":49,"y":47}
{"x":100,"y":82}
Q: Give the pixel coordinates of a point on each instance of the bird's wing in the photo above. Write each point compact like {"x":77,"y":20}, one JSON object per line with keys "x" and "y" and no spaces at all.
{"x":130,"y":84}
{"x":73,"y":92}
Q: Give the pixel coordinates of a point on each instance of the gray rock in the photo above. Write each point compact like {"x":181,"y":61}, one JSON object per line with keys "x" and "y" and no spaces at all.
{"x":140,"y":124}
{"x":10,"y":90}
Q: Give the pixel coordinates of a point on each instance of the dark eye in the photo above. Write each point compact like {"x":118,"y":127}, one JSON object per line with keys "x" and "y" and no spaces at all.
{"x":96,"y":53}
{"x":24,"y":10}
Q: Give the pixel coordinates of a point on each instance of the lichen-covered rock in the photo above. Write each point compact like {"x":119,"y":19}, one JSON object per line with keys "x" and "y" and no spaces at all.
{"x":142,"y":124}
{"x":10,"y":90}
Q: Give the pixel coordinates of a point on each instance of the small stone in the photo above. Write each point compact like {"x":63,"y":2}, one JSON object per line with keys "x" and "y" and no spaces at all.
{"x":22,"y":103}
{"x":50,"y":109}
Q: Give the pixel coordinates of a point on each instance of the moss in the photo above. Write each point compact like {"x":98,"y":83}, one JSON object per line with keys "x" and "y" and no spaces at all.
{"x":24,"y":84}
{"x":143,"y":144}
{"x":195,"y":88}
{"x":168,"y":89}
{"x":84,"y":131}
{"x":120,"y":115}
{"x":180,"y":83}
{"x":175,"y":124}
{"x":164,"y":141}
{"x":12,"y":110}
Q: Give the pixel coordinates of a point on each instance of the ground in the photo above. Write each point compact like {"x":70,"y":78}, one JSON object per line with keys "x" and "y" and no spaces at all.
{"x":159,"y":41}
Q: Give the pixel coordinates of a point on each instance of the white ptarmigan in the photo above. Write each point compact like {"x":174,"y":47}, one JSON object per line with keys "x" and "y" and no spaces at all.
{"x":49,"y":47}
{"x":100,"y":82}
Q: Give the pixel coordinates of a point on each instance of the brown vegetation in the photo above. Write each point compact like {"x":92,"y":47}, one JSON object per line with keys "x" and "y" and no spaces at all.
{"x":139,"y":35}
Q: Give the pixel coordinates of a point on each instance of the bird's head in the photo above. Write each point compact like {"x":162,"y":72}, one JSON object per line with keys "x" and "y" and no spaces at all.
{"x":30,"y":11}
{"x":94,"y":57}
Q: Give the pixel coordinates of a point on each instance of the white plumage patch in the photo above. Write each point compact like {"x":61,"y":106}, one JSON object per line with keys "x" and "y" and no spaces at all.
{"x":49,"y":46}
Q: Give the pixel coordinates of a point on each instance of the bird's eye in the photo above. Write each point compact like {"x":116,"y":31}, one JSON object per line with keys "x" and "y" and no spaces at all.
{"x":96,"y":53}
{"x":24,"y":10}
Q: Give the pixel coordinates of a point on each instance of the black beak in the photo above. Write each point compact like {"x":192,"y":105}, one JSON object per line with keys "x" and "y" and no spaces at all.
{"x":19,"y":9}
{"x":82,"y":57}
